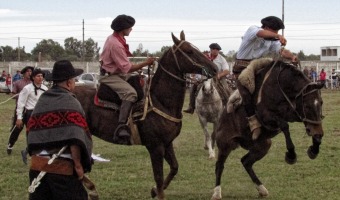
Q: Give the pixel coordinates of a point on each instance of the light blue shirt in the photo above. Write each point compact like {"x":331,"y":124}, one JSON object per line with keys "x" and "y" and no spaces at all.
{"x":253,"y":47}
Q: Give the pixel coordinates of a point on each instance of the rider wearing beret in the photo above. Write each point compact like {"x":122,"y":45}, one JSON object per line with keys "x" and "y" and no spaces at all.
{"x":256,"y":43}
{"x":115,"y":61}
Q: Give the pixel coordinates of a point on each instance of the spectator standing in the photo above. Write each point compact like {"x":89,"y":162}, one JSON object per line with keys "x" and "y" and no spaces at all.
{"x":334,"y":79}
{"x":322,"y":77}
{"x":27,"y":100}
{"x":3,"y":75}
{"x":58,"y":122}
{"x":313,"y":75}
{"x":306,"y":72}
{"x":16,"y":89}
{"x":17,"y":76}
{"x":9,"y":81}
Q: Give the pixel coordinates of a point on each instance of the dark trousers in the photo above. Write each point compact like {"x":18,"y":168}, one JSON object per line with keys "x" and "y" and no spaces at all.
{"x":57,"y":187}
{"x":16,"y":131}
{"x":247,"y":100}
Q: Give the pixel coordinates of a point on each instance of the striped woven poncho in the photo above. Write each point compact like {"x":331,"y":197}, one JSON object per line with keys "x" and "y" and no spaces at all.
{"x":57,"y":120}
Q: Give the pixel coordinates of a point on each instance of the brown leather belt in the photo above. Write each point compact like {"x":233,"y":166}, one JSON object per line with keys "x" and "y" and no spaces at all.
{"x":58,"y":166}
{"x":243,"y":63}
{"x":240,"y":65}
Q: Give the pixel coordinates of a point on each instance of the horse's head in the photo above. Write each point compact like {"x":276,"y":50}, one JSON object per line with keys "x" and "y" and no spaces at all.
{"x":208,"y":88}
{"x":189,"y":59}
{"x":309,"y":106}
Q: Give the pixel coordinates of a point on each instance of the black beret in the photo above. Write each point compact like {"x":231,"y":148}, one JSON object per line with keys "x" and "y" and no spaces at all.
{"x":36,"y":72}
{"x":215,"y":46}
{"x":26,"y":68}
{"x":122,"y":22}
{"x":273,"y":22}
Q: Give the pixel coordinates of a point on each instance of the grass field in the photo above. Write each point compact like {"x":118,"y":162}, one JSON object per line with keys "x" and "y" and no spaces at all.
{"x":129,"y":175}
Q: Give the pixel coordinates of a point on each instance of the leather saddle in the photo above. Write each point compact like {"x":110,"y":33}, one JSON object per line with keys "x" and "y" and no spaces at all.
{"x":108,"y":98}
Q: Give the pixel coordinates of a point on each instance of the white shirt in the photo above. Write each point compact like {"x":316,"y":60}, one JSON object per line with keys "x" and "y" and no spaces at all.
{"x":253,"y":47}
{"x":221,"y":63}
{"x":27,"y":99}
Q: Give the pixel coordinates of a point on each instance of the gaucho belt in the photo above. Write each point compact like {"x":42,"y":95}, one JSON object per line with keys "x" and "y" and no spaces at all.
{"x":240,"y":65}
{"x":60,"y":166}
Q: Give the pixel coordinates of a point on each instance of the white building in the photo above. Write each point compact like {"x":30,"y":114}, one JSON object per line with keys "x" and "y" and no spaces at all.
{"x":330,"y":53}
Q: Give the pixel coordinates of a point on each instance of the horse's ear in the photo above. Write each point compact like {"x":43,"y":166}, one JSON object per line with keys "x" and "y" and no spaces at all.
{"x":319,"y":85}
{"x":176,"y":41}
{"x":182,"y":36}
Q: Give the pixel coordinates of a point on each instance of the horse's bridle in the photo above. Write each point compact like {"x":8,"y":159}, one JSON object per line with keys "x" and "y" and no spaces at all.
{"x":149,"y":99}
{"x":301,"y":95}
{"x":173,"y":51}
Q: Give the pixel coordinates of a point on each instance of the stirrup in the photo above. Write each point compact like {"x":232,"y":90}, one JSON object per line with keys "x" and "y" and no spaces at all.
{"x":122,"y":138}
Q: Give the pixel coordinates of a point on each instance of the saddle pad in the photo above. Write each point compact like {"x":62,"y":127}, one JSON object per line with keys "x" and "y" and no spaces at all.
{"x":105,"y":104}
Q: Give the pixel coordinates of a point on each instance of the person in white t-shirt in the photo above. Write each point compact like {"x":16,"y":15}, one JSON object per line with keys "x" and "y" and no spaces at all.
{"x":223,"y":71}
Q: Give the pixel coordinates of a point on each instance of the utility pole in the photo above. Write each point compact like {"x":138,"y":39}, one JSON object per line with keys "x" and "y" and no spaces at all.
{"x":19,"y":49}
{"x":283,"y":14}
{"x":83,"y":48}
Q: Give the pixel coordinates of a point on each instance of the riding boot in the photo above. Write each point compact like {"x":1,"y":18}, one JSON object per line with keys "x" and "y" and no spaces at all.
{"x":254,"y":126}
{"x":122,"y":132}
{"x":192,"y":100}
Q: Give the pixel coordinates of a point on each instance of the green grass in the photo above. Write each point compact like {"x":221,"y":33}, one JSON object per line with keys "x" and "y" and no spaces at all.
{"x":129,"y":174}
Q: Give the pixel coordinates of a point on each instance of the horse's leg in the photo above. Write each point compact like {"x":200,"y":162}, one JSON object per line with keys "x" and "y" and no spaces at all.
{"x":313,"y":150}
{"x":290,"y":154}
{"x":171,"y":159}
{"x":157,"y":159}
{"x":257,"y":152}
{"x":207,"y":137}
{"x":222,"y":156}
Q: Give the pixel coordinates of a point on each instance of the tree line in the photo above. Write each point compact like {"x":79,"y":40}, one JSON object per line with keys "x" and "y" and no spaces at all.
{"x":76,"y":50}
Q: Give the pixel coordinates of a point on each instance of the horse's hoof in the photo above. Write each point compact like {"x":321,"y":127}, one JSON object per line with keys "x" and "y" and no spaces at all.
{"x":217,"y":193}
{"x":263,"y":192}
{"x":311,"y":154}
{"x":153,"y":192}
{"x":290,"y":159}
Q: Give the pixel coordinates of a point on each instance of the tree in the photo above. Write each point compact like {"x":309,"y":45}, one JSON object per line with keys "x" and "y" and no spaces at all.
{"x":301,"y":55}
{"x":231,"y":56}
{"x":10,"y":54}
{"x":73,"y":47}
{"x":50,"y":50}
{"x":91,"y":50}
{"x":162,"y":51}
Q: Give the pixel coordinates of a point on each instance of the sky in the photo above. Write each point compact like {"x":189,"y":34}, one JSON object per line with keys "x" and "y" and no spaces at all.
{"x":310,"y":24}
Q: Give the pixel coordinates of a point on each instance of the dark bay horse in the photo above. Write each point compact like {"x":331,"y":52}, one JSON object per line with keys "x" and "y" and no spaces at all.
{"x":282,"y":94}
{"x":163,"y":125}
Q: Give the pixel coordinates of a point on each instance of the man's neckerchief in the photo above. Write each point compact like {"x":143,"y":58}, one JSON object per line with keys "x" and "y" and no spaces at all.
{"x":123,"y":42}
{"x":36,"y":88}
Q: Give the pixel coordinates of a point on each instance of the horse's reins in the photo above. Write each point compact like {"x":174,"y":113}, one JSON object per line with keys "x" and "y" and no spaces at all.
{"x":9,"y":99}
{"x":302,"y":94}
{"x":148,"y":97}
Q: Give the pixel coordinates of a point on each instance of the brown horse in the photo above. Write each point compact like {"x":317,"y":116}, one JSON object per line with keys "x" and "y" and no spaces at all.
{"x":162,"y":125}
{"x":282,"y":94}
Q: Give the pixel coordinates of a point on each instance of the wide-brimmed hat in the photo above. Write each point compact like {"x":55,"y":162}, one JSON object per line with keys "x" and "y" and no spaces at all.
{"x":26,"y":68}
{"x":215,"y":46}
{"x":36,"y":72}
{"x":122,"y":22}
{"x":273,"y":22}
{"x":63,"y":70}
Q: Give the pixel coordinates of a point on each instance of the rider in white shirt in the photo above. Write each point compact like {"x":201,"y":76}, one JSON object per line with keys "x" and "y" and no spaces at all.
{"x":28,"y":98}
